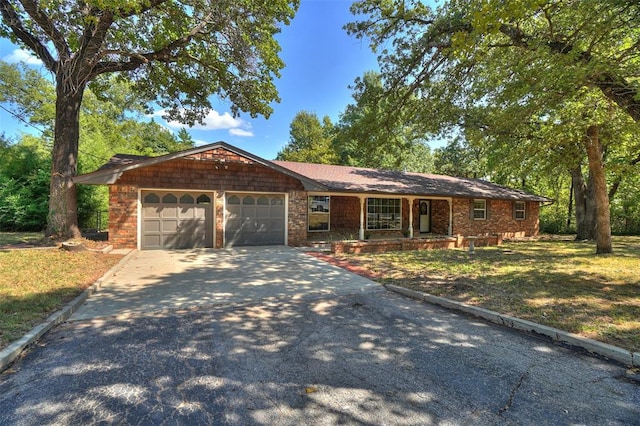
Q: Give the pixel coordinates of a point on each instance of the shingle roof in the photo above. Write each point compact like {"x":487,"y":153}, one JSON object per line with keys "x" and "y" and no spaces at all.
{"x":330,"y":178}
{"x":357,"y":179}
{"x":122,"y":160}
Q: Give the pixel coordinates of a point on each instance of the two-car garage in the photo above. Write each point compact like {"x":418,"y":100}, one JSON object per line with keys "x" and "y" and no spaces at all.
{"x":185,"y":219}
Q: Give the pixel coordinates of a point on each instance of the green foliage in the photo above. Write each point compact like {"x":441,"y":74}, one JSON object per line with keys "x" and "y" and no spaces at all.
{"x":372,"y":133}
{"x":459,"y":159}
{"x":519,"y":81}
{"x":111,"y":122}
{"x":24,"y":185}
{"x":175,"y":54}
{"x":309,"y":141}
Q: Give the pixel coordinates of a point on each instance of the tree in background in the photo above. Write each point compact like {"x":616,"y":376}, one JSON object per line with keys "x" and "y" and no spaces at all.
{"x":176,"y":54}
{"x":365,"y":136}
{"x":309,"y":140}
{"x":372,"y":133}
{"x":520,"y":57}
{"x":111,"y":122}
{"x":24,"y":184}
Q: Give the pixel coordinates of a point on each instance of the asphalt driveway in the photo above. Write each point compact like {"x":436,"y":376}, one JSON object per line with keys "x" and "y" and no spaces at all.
{"x":306,"y":353}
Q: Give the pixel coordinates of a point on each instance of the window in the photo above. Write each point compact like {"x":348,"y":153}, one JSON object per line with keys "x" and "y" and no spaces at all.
{"x":151,"y":198}
{"x":384,"y":213}
{"x":203,"y":199}
{"x":186,"y":199}
{"x":170,"y":199}
{"x":480,"y":209}
{"x":519,"y":210}
{"x":319,"y":207}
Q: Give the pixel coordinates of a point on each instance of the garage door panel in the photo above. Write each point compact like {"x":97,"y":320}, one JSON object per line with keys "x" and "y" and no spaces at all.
{"x":176,"y":220}
{"x":169,"y":212}
{"x":150,"y":212}
{"x":170,"y":225}
{"x":254,"y":219}
{"x":152,"y":241}
{"x":150,"y":226}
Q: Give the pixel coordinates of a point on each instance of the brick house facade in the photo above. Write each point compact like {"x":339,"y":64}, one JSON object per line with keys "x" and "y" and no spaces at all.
{"x":223,"y":192}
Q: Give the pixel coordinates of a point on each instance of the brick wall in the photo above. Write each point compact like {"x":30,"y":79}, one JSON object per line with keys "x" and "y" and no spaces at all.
{"x":440,"y":217}
{"x":500,"y":219}
{"x":297,"y":226}
{"x":123,"y":216}
{"x":219,"y":220}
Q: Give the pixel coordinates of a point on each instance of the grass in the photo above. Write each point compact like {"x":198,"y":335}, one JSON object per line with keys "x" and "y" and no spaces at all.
{"x":19,"y":238}
{"x":561,"y":284}
{"x":36,"y":282}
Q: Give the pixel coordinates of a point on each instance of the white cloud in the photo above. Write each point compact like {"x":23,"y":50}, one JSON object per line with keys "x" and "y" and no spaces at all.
{"x":19,"y":55}
{"x":241,"y":132}
{"x":215,"y":121}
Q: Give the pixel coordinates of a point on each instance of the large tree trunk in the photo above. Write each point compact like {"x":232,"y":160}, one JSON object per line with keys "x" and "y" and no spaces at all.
{"x":585,"y":205}
{"x":63,"y":218}
{"x":601,"y":196}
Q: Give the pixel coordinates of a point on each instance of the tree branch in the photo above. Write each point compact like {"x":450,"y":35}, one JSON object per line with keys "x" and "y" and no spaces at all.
{"x":11,"y":17}
{"x":48,"y":27}
{"x":136,"y":60}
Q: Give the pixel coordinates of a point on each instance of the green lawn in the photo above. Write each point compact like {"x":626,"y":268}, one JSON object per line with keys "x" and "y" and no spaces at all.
{"x":557,"y":283}
{"x":36,"y":282}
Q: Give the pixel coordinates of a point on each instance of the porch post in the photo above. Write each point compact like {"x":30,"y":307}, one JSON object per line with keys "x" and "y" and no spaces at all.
{"x":450,"y":216}
{"x":361,"y":231}
{"x":411,"y":199}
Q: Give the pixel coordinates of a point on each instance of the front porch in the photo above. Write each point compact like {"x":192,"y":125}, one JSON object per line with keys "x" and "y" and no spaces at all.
{"x":333,"y":217}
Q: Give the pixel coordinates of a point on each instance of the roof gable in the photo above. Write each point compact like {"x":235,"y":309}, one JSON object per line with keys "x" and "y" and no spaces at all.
{"x":220,"y":152}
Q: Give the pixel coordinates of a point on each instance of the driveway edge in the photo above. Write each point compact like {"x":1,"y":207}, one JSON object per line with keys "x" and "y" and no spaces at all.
{"x":623,"y":356}
{"x":11,"y":352}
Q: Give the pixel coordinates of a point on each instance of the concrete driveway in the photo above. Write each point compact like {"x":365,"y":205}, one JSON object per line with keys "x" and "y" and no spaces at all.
{"x":156,"y":280}
{"x":287,"y":340}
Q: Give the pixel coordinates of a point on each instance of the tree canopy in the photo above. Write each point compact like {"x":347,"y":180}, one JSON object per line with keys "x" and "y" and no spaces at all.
{"x":176,"y":54}
{"x":498,"y":71}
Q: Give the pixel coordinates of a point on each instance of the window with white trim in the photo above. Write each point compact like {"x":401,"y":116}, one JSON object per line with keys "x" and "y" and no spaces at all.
{"x":520,"y":210}
{"x":318,"y":215}
{"x":479,"y":209}
{"x":384,"y":213}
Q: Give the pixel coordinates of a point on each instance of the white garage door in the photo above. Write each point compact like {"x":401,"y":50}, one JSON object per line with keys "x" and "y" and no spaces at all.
{"x":254,"y":220}
{"x":176,"y":220}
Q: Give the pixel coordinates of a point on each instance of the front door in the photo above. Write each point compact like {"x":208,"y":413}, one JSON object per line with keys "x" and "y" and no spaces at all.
{"x":425,"y":216}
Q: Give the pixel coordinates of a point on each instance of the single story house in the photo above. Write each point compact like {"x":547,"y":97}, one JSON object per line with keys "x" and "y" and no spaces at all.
{"x":221,"y":196}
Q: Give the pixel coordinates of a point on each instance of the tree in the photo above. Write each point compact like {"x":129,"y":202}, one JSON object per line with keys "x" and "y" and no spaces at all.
{"x":176,"y":55}
{"x":309,"y":140}
{"x":519,"y":56}
{"x":457,"y":158}
{"x":111,"y":122}
{"x":372,"y":133}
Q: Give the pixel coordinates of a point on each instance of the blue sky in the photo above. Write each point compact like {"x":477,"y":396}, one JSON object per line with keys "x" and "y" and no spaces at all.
{"x":321,"y":62}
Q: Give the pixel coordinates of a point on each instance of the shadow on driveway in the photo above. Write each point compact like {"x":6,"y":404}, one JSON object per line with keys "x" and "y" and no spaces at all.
{"x":350,"y":359}
{"x":159,"y":280}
